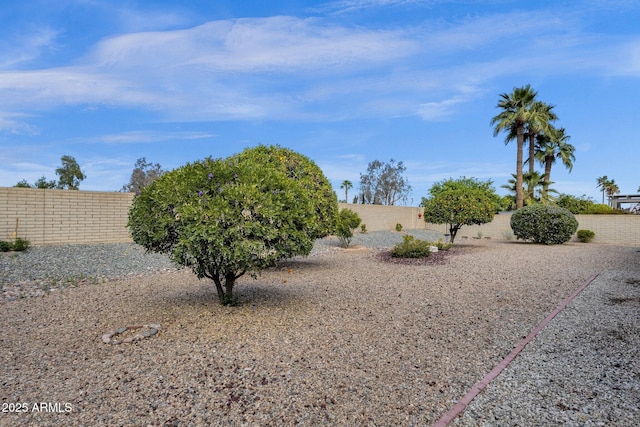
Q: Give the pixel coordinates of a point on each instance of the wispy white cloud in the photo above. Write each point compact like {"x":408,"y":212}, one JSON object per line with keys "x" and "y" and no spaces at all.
{"x":20,"y":49}
{"x":343,"y":6}
{"x":286,"y":67}
{"x":16,"y":123}
{"x":142,"y":137}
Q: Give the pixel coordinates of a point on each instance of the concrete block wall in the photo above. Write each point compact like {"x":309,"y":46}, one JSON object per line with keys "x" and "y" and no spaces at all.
{"x":53,"y":217}
{"x":609,"y":229}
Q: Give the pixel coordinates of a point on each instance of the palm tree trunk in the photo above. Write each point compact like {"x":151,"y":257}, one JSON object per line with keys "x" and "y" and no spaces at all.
{"x":532,"y":157}
{"x":519,"y":191}
{"x":547,"y":176}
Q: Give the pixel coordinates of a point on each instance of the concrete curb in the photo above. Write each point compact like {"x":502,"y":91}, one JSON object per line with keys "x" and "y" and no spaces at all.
{"x":459,"y":407}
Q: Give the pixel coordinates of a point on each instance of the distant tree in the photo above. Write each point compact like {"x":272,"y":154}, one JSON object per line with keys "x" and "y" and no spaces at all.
{"x":69,"y":173}
{"x":383,"y":184}
{"x":43,"y":183}
{"x":40,"y":183}
{"x":227,"y":217}
{"x":143,"y":174}
{"x":346,"y":184}
{"x":23,"y":184}
{"x":463,"y":201}
{"x":612,"y":188}
{"x":602,"y":185}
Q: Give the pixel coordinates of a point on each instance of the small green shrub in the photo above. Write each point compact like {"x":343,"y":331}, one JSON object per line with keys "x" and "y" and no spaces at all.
{"x":585,"y":236}
{"x":411,"y":248}
{"x":347,"y":221}
{"x":363,"y":228}
{"x":544,"y":224}
{"x":441,"y":245}
{"x":20,"y":245}
{"x":398,"y":227}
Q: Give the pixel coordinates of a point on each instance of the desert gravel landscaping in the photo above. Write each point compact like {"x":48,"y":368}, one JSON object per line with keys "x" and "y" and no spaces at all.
{"x":338,"y":338}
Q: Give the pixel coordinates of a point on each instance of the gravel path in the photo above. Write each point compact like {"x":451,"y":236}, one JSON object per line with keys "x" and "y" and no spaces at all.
{"x":339,"y":338}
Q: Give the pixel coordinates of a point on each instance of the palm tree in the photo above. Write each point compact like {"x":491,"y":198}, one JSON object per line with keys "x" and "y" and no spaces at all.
{"x":551,"y":146}
{"x":346,"y":184}
{"x":539,"y":122}
{"x":533,"y":180}
{"x":611,"y":188}
{"x":602,"y":185}
{"x":513,"y":117}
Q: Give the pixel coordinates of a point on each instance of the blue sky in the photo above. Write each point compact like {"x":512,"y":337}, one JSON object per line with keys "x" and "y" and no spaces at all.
{"x":344,"y":82}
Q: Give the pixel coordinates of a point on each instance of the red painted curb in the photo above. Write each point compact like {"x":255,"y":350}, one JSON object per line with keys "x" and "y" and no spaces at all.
{"x":459,"y":407}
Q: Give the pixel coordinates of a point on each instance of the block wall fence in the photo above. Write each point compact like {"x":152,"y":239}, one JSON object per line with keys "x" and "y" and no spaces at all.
{"x":54,"y":217}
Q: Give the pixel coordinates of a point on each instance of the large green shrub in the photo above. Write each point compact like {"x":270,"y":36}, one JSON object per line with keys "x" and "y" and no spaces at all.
{"x":348,"y":221}
{"x":544,"y":224}
{"x":227,"y":217}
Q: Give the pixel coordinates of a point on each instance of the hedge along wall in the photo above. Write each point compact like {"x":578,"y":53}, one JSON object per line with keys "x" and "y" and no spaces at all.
{"x":53,"y":217}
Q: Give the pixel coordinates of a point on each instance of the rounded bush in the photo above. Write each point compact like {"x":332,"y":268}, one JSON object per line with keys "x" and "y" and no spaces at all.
{"x":227,"y":217}
{"x":544,"y":224}
{"x":585,"y":236}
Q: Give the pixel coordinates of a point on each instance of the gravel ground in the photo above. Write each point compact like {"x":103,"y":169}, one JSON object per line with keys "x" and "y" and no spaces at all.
{"x":340,"y":338}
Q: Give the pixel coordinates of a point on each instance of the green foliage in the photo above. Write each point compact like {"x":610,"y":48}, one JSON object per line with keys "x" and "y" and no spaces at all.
{"x":363,"y":228}
{"x":69,"y":173}
{"x":20,"y":244}
{"x":398,"y":227}
{"x":226,"y":217}
{"x":43,"y":183}
{"x":577,"y":205}
{"x":17,"y":245}
{"x":22,"y":184}
{"x":441,"y":245}
{"x":347,"y":221}
{"x":40,"y":183}
{"x":601,"y":209}
{"x":411,"y":248}
{"x":464,"y":201}
{"x":585,"y":236}
{"x":544,"y":224}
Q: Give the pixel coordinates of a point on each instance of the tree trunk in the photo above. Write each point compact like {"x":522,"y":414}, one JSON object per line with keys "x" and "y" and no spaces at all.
{"x":453,"y":230}
{"x":225,"y":291}
{"x":532,"y":156}
{"x":519,"y":192}
{"x":547,"y":176}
